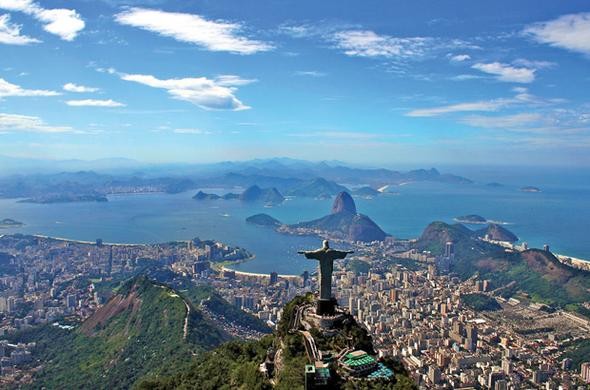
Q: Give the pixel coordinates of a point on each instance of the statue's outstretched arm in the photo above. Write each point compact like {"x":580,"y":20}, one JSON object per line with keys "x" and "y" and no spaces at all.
{"x":342,"y":254}
{"x":309,"y":254}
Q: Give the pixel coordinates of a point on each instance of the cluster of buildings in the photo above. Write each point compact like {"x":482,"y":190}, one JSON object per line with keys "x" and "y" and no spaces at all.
{"x":420,"y":316}
{"x":46,"y":280}
{"x":416,"y":314}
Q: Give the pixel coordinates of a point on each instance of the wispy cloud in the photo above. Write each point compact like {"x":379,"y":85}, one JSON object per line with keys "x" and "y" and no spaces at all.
{"x":23,"y":123}
{"x":310,"y":73}
{"x":522,"y":97}
{"x":10,"y":33}
{"x":570,"y":32}
{"x":335,"y":134}
{"x":356,"y":41}
{"x":191,"y":131}
{"x":8,"y":89}
{"x":489,"y":105}
{"x":195,"y":29}
{"x":65,"y":23}
{"x":464,"y":77}
{"x":508,"y":73}
{"x":71,"y":87}
{"x":502,"y":121}
{"x":94,"y":103}
{"x":216,"y":94}
{"x":365,"y":43}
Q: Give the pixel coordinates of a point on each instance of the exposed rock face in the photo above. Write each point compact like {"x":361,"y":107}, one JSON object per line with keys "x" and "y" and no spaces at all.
{"x":344,"y":222}
{"x":344,"y":203}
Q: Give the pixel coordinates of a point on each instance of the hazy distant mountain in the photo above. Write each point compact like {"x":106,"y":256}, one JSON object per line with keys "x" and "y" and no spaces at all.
{"x":318,"y":188}
{"x":73,"y":178}
{"x":257,"y":194}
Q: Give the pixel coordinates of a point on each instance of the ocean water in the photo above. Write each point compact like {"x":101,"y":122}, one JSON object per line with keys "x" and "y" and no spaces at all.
{"x":558,"y":216}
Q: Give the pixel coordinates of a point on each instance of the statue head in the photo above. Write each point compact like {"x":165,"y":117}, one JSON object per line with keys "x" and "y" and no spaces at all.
{"x":325,"y":245}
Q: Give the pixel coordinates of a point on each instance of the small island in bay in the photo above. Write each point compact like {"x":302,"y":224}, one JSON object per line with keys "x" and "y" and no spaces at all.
{"x":263,"y":220}
{"x":366,"y":192}
{"x":472,"y":219}
{"x":530,"y":189}
{"x":7,"y":223}
{"x":65,"y":198}
{"x":270,"y":196}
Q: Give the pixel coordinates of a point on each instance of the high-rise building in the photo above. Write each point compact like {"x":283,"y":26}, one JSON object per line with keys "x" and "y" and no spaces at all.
{"x":274,"y":277}
{"x":506,"y":366}
{"x":434,"y":375}
{"x":71,"y":301}
{"x":449,"y":249}
{"x":585,"y":372}
{"x":494,"y":377}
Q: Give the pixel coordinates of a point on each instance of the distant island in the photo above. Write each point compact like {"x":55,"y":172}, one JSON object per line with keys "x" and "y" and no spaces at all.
{"x":7,"y":223}
{"x":366,"y":192}
{"x":343,"y":223}
{"x":270,"y":196}
{"x":65,"y":198}
{"x":205,"y":196}
{"x":472,"y":219}
{"x":263,"y":220}
{"x":290,"y":177}
{"x":530,"y":189}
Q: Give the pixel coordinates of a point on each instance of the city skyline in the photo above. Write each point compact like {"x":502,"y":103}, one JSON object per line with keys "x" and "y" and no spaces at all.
{"x":414,"y":83}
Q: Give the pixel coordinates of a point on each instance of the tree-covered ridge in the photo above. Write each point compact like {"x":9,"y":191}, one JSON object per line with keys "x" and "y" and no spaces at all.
{"x":538,"y":273}
{"x":144,"y":331}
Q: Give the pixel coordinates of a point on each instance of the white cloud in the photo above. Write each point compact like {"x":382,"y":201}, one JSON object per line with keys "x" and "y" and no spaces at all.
{"x":508,"y":73}
{"x":94,"y":103}
{"x":10,"y":33}
{"x":364,"y":43}
{"x":310,"y":73}
{"x":192,"y":28}
{"x":65,"y":23}
{"x":24,"y":123}
{"x":217,"y":94}
{"x":9,"y":89}
{"x":460,"y":57}
{"x":570,"y":32}
{"x":71,"y":87}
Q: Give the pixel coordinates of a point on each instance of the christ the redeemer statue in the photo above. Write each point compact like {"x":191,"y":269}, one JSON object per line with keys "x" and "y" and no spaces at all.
{"x":326,"y":256}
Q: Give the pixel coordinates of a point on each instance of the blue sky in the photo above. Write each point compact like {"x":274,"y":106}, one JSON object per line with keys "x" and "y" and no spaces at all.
{"x":376,"y":82}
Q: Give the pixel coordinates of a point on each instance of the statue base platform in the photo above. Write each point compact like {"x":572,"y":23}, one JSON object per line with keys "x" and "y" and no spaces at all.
{"x":326,"y":307}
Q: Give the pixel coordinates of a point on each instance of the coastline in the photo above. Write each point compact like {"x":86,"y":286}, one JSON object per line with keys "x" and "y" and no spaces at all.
{"x":257,"y":275}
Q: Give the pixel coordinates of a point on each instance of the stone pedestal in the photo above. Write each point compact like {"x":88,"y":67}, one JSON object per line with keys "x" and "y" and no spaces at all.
{"x":326,"y":307}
